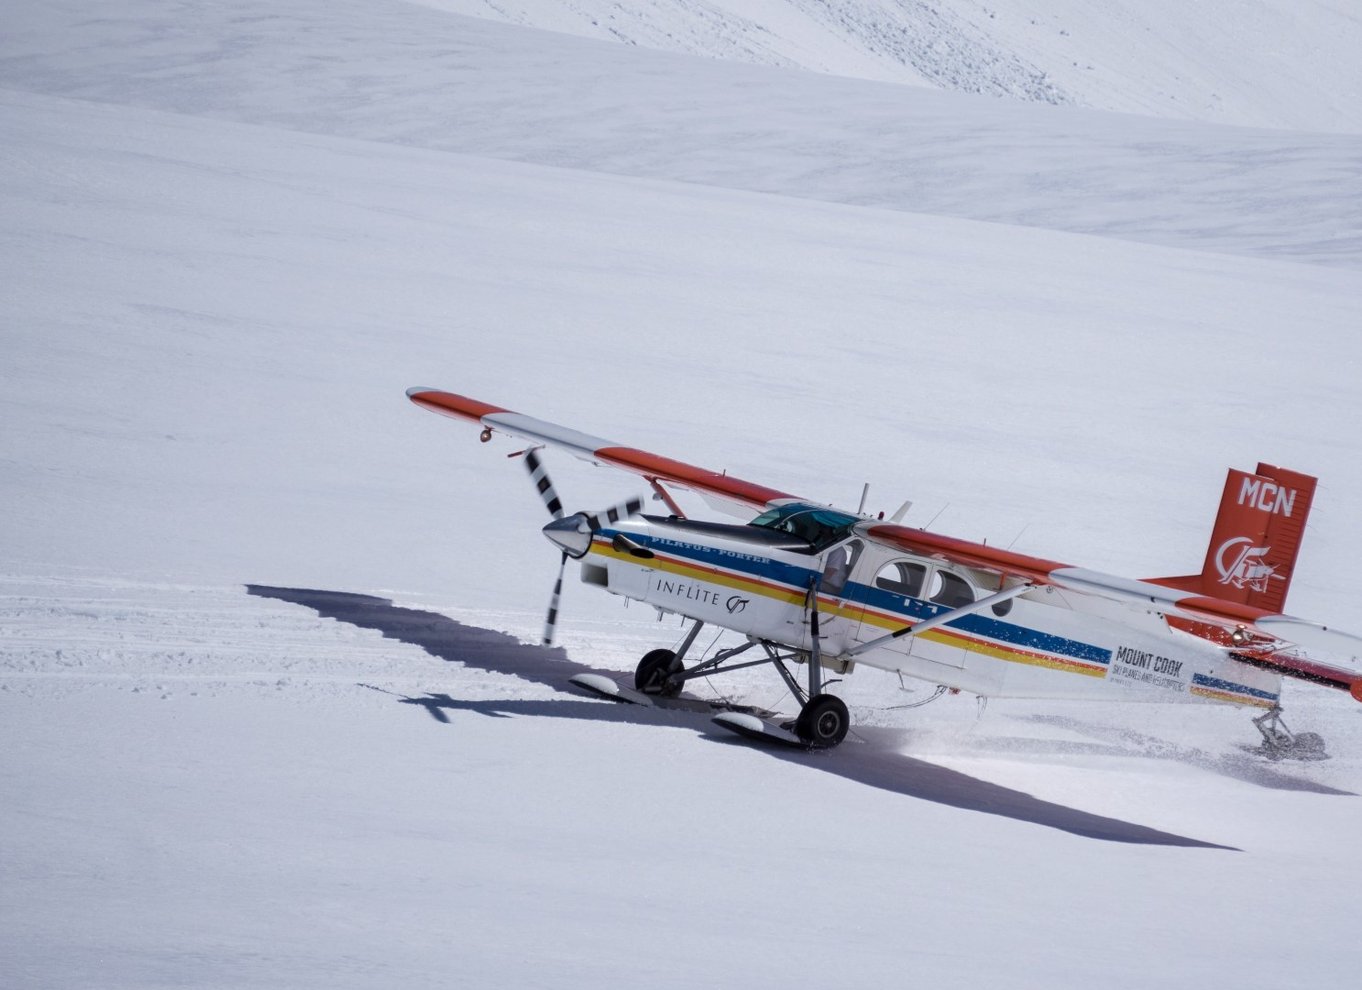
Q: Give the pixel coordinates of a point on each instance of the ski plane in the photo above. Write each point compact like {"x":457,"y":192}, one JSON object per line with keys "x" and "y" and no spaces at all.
{"x":830,"y":589}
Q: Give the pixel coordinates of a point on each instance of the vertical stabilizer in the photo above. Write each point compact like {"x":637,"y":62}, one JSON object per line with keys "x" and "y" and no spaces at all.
{"x":1256,"y":538}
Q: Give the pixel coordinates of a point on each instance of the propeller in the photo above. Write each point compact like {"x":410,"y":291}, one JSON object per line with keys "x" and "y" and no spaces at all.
{"x":540,"y":477}
{"x":571,"y":534}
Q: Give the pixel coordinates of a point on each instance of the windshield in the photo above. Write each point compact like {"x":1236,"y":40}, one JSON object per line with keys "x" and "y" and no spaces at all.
{"x":821,"y":527}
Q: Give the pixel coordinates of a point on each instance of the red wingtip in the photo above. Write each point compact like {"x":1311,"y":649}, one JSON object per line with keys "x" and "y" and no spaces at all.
{"x":450,"y":404}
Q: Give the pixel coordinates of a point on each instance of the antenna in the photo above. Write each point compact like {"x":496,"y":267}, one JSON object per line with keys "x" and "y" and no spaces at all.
{"x":1018,"y":536}
{"x":903,"y":511}
{"x":937,"y":516}
{"x":865,"y":492}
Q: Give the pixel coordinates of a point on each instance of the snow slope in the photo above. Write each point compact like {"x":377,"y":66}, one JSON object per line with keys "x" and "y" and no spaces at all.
{"x":1260,"y":63}
{"x":267,"y":710}
{"x":346,"y":69}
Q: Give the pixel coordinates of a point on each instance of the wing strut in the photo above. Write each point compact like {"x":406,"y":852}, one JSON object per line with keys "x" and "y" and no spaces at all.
{"x":1006,"y":595}
{"x":815,"y":651}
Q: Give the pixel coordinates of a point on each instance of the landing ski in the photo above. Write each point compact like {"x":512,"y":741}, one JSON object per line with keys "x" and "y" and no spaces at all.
{"x":751,"y":726}
{"x":601,"y":685}
{"x":606,"y":687}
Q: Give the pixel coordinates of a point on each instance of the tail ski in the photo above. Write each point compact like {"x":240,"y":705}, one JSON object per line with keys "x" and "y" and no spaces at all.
{"x":1256,"y":539}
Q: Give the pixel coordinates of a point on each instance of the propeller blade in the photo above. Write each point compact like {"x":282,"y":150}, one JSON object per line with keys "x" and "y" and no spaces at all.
{"x":540,"y":477}
{"x":629,"y":507}
{"x":571,"y":534}
{"x":551,"y":620}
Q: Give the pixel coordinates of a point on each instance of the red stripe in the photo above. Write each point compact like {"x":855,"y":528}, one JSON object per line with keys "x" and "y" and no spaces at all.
{"x":449,"y":404}
{"x":1312,"y":671}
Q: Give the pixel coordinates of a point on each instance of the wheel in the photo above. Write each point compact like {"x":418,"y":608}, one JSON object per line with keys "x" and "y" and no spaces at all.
{"x":823,"y":722}
{"x":650,"y":676}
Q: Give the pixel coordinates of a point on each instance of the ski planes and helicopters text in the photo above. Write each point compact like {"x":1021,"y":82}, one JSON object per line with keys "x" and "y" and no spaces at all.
{"x":829,"y":589}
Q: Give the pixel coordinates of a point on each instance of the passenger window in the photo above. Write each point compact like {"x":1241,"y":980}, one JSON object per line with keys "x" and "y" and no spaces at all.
{"x":902,"y":577}
{"x":951,"y":590}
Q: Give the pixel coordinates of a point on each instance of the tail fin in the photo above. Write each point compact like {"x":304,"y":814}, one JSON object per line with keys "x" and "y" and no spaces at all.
{"x":1256,"y":538}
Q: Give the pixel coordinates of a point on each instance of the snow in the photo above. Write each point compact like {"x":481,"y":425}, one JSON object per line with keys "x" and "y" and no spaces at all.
{"x":1259,"y":63}
{"x":494,"y":92}
{"x":267,"y":706}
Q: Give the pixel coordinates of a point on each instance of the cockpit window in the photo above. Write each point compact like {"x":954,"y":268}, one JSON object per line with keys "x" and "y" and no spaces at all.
{"x":838,"y":565}
{"x":821,"y":527}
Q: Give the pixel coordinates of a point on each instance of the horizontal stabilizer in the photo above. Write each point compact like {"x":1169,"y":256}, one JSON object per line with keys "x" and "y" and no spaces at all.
{"x":1312,"y":636}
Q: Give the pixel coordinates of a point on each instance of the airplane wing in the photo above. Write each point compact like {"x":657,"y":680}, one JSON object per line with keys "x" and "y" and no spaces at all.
{"x":597,"y":450}
{"x":1273,"y":636}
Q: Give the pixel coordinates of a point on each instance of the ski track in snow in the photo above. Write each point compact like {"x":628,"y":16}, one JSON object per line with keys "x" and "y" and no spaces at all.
{"x":63,"y":636}
{"x":231,"y":758}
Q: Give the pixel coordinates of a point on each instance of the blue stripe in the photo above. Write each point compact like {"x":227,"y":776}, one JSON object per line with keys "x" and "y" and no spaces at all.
{"x":1216,"y":684}
{"x":980,"y":625}
{"x":751,"y":564}
{"x":797,"y":578}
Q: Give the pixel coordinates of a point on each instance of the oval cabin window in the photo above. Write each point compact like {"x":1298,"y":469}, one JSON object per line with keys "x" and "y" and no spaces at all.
{"x":951,"y":590}
{"x":901,"y":577}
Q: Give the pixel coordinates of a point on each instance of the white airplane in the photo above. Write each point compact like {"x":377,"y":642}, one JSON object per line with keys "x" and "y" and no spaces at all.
{"x":831,"y":589}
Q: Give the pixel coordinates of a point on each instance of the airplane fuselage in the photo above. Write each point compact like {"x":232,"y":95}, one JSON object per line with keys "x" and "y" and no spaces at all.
{"x":1042,"y":644}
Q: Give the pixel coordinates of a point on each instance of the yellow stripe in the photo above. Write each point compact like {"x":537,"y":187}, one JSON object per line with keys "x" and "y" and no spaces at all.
{"x":702,"y":573}
{"x":1238,"y":699}
{"x":942,"y":637}
{"x":1034,"y":659}
{"x":950,"y":637}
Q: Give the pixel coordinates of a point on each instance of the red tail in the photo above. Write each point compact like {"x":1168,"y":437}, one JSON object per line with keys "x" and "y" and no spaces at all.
{"x":1256,"y":539}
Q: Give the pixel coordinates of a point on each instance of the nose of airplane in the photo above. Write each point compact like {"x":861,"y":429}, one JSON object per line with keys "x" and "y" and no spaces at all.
{"x":571,"y":534}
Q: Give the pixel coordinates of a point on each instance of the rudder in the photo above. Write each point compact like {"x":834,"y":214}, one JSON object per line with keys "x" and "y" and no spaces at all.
{"x":1256,"y":538}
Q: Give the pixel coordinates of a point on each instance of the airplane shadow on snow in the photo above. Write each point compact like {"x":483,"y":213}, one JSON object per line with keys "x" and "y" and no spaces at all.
{"x":877,"y":762}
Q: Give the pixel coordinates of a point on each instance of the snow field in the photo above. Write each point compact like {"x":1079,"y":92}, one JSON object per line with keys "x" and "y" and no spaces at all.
{"x":267,"y":708}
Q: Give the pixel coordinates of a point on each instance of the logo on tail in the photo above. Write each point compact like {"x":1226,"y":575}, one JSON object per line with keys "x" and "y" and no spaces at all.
{"x":1259,"y":493}
{"x":1242,"y":565}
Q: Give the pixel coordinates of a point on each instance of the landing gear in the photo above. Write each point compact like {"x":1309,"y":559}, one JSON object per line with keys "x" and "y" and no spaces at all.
{"x":655,"y":671}
{"x":1280,"y":743}
{"x":823,"y":722}
{"x":662,"y":672}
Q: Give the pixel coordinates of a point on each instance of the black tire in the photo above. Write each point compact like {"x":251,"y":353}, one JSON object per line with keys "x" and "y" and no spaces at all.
{"x":823,"y":722}
{"x":651,"y":675}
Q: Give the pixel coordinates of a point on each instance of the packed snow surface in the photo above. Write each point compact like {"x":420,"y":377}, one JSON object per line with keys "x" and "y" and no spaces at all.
{"x":271,"y":705}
